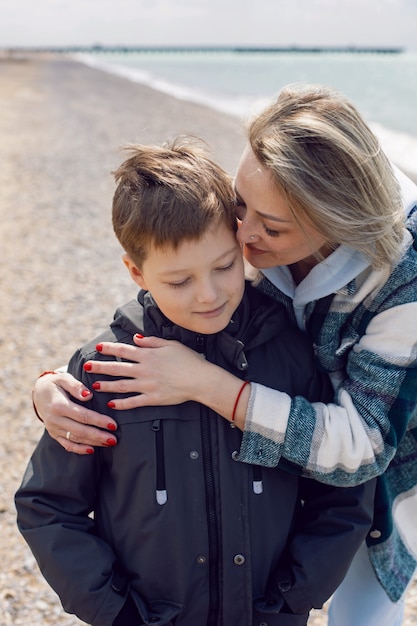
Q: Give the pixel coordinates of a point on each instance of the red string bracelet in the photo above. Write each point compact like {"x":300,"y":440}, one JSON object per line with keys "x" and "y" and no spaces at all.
{"x":238,"y":398}
{"x":45,"y":373}
{"x":33,"y":402}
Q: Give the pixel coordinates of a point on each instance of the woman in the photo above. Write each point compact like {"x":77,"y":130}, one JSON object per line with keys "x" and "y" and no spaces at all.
{"x":322,"y":217}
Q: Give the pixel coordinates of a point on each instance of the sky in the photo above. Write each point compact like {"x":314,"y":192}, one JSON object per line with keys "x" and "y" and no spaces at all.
{"x":381,"y":23}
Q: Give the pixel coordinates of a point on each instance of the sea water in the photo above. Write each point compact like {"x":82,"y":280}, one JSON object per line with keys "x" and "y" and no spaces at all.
{"x":383,"y":86}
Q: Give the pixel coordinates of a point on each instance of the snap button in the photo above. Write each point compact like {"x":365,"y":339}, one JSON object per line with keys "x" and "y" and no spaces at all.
{"x":239,"y":559}
{"x":235,"y":454}
{"x":201,"y":560}
{"x":284,"y":586}
{"x":194,"y":454}
{"x":375,"y":534}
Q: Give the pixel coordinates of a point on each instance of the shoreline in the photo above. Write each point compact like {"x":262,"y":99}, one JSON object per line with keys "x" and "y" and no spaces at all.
{"x":61,"y":127}
{"x":396,"y":143}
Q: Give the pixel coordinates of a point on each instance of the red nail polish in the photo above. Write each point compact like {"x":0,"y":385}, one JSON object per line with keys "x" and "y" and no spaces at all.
{"x":139,"y":336}
{"x":111,"y":442}
{"x":87,"y":367}
{"x":90,"y":451}
{"x":85,"y":393}
{"x":96,"y":385}
{"x":111,"y":405}
{"x":99,"y":347}
{"x":111,"y":426}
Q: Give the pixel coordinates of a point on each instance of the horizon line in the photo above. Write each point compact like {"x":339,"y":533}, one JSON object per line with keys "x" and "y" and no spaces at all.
{"x":204,"y":48}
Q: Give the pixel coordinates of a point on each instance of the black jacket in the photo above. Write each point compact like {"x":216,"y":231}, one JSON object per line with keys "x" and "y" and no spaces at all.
{"x":182,"y":532}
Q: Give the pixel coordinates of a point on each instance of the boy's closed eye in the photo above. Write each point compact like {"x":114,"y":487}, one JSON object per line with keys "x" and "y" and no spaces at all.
{"x":223,"y":268}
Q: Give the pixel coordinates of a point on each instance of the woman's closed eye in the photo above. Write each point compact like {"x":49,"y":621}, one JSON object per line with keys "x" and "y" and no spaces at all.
{"x":240,"y":209}
{"x":240,"y":212}
{"x":270,"y":232}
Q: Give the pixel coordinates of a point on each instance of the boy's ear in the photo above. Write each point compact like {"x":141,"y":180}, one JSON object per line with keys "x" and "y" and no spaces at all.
{"x":134,"y":271}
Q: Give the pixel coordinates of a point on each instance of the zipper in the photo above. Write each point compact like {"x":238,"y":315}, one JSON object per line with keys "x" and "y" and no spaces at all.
{"x":214,"y":617}
{"x":200,"y":341}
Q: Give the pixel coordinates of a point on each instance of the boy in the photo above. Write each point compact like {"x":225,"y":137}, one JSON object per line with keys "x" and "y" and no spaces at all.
{"x":183,"y":533}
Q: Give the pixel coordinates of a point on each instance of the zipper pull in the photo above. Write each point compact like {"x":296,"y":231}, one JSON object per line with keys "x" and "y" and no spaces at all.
{"x":161,"y":494}
{"x":257,"y":484}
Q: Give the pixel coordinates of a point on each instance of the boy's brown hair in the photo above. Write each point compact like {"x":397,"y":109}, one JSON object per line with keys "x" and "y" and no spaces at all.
{"x":168,"y":194}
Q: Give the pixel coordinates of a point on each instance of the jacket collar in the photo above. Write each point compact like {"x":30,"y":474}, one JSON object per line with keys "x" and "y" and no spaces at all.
{"x":256,"y":321}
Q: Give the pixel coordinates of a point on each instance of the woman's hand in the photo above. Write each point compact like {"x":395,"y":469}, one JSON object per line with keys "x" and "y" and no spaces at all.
{"x":62,"y":416}
{"x":158,"y":373}
{"x":161,"y":372}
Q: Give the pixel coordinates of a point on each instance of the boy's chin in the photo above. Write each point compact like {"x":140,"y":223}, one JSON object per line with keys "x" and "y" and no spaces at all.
{"x":215,"y":328}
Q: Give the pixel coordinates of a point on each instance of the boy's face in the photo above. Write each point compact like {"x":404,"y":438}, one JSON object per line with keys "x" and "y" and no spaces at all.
{"x":199,"y":285}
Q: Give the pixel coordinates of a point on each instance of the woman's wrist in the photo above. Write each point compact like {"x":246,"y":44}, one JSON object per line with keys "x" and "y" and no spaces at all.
{"x":229,"y":399}
{"x":240,"y":406}
{"x":236,"y":404}
{"x":46,"y":373}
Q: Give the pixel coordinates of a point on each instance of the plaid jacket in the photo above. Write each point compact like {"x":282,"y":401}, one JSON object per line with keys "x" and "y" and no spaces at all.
{"x":367,"y":341}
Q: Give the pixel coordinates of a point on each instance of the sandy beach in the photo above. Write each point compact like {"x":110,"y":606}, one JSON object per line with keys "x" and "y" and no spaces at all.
{"x":62,"y":125}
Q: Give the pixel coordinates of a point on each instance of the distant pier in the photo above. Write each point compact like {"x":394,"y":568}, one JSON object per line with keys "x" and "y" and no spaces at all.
{"x":119,"y":49}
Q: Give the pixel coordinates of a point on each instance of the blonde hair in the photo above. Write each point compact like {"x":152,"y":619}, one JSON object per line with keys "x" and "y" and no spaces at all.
{"x":332,"y":169}
{"x":168,"y":194}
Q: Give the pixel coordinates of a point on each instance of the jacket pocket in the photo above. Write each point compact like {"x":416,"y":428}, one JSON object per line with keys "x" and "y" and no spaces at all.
{"x":156,"y":612}
{"x":261,"y":618}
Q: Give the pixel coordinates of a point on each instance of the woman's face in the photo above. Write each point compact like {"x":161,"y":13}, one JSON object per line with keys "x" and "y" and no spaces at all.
{"x":268,"y":232}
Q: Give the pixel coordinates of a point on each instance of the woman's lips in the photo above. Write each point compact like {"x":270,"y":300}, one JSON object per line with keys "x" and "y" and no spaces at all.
{"x":253,"y":250}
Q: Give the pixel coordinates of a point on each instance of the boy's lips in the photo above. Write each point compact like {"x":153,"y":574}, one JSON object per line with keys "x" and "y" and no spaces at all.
{"x":213,"y":313}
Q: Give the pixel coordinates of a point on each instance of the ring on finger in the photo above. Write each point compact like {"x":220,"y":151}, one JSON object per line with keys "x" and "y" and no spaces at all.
{"x":68,"y":435}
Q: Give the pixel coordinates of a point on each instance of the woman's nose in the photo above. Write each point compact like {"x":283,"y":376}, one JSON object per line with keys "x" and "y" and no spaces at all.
{"x":244,"y":233}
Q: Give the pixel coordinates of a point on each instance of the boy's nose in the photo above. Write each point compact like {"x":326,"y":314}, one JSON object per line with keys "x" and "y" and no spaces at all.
{"x":207,"y":292}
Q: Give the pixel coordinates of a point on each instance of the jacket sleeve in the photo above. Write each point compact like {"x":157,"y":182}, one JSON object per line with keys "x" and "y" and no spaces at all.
{"x":332,"y":524}
{"x":355,"y":437}
{"x":53,"y":506}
